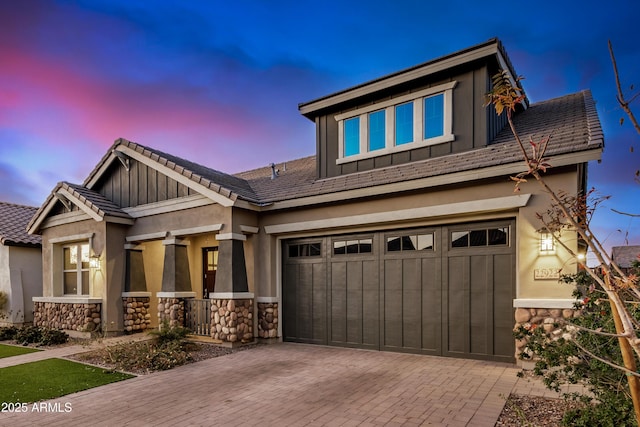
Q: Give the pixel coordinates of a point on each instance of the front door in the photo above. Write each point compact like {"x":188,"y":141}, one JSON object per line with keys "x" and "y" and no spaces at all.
{"x":209,"y":267}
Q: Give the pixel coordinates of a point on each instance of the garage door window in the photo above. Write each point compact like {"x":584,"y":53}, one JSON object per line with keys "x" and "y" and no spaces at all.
{"x":413,"y":242}
{"x":353,"y":246}
{"x":305,"y":250}
{"x":484,"y":237}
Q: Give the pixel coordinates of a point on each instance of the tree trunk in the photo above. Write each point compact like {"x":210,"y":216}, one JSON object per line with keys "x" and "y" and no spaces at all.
{"x":629,"y":360}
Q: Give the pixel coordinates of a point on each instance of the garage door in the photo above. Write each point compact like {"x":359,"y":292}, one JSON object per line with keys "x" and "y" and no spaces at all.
{"x":442,"y":291}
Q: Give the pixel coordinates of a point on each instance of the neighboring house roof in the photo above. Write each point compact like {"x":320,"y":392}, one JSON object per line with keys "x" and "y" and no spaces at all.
{"x":571,"y":121}
{"x":625,"y":255}
{"x":13,"y":225}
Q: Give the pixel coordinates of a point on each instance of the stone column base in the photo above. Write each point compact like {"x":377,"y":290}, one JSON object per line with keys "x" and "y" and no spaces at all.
{"x":267,"y":319}
{"x":79,"y":317}
{"x":137,"y":316}
{"x":232,"y":320}
{"x":540,"y":317}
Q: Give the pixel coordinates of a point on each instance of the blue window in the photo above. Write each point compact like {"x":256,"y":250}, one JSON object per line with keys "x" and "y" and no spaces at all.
{"x":404,"y":123}
{"x":352,"y":136}
{"x":434,"y":116}
{"x":376,"y":130}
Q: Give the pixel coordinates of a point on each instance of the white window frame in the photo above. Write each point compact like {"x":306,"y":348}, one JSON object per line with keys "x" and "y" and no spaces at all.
{"x":418,"y":126}
{"x":78,"y":270}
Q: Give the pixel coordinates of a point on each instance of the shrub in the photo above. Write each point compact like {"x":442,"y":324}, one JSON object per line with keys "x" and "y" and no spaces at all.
{"x":41,"y":336}
{"x":560,"y":360}
{"x":8,"y":333}
{"x":145,"y":356}
{"x":167,"y":334}
{"x":4,"y":298}
{"x":53,"y":337}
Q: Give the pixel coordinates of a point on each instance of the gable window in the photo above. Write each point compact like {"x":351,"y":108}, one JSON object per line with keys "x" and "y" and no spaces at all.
{"x":76,"y":269}
{"x":403,"y":123}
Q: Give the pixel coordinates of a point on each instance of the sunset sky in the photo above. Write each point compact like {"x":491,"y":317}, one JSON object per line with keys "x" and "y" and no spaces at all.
{"x":219,"y":82}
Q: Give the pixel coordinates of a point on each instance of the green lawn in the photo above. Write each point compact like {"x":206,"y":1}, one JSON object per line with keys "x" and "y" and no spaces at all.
{"x":12,"y":350}
{"x":51,"y":378}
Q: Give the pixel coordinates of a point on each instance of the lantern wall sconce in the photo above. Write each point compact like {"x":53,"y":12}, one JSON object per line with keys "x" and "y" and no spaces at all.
{"x":547,"y":244}
{"x":94,"y":262}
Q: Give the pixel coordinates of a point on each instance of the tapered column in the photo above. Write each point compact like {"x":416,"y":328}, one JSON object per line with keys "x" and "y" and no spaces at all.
{"x":231,"y":275}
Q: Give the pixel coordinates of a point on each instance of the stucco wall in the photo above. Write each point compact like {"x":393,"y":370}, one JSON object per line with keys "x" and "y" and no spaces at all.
{"x":527,"y":224}
{"x":21,"y":280}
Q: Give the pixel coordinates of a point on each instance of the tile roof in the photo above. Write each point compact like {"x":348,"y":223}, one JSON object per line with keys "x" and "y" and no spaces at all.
{"x":96,"y":202}
{"x":571,"y":120}
{"x":93,"y":200}
{"x":225,"y":184}
{"x":625,"y":255}
{"x":13,"y":225}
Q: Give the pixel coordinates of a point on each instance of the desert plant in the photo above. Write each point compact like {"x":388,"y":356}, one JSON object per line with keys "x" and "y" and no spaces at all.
{"x":8,"y":333}
{"x":40,"y":336}
{"x":560,"y":359}
{"x":167,"y":333}
{"x":573,"y":214}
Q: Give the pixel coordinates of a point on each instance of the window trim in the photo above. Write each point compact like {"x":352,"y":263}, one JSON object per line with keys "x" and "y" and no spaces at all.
{"x":80,"y":285}
{"x":418,"y":126}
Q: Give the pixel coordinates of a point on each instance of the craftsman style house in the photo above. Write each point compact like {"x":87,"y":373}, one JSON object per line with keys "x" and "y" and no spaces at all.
{"x":20,"y":265}
{"x":402,"y":233}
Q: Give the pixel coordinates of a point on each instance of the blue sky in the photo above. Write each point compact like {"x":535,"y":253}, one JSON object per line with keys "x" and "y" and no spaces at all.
{"x":219,"y":82}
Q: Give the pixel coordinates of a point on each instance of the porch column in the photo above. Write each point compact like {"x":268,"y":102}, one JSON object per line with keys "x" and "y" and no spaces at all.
{"x":175,"y":274}
{"x":232,"y":269}
{"x":231,"y":303}
{"x":135,"y":298}
{"x":176,"y":283}
{"x":134,"y":279}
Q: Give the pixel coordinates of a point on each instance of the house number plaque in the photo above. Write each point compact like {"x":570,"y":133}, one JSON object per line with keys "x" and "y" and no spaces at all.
{"x":546,"y":273}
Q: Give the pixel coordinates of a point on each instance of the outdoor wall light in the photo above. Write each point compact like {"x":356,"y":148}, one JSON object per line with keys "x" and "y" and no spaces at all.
{"x":547,"y":245}
{"x":94,"y":262}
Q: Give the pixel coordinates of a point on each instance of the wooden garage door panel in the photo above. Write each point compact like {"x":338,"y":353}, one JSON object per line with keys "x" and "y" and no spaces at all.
{"x":304,"y":293}
{"x":503,"y":344}
{"x":392,"y":304}
{"x":354,"y":303}
{"x":480,"y":304}
{"x":479,"y":299}
{"x":431,"y":306}
{"x":456,"y":305}
{"x":412,"y":313}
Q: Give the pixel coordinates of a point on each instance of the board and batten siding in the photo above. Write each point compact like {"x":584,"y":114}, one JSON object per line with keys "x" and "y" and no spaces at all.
{"x":474,"y":125}
{"x":139,"y":185}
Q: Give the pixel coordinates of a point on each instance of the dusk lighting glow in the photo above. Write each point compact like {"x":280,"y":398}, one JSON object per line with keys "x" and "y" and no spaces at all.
{"x":220,"y":83}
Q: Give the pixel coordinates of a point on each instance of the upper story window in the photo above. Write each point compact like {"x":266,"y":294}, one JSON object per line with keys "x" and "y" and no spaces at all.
{"x":404,"y":123}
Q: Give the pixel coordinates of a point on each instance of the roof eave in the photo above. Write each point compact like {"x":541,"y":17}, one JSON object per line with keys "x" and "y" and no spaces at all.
{"x":492,"y":47}
{"x":565,"y":159}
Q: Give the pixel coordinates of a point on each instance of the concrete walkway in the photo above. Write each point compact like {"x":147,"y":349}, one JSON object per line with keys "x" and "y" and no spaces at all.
{"x":294,"y":385}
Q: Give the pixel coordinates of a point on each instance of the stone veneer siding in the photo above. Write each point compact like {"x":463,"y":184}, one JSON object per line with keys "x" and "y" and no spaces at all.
{"x":137,"y":317}
{"x":542,"y":317}
{"x":232,"y":320}
{"x":70,"y":316}
{"x":268,"y":319}
{"x":171,"y":310}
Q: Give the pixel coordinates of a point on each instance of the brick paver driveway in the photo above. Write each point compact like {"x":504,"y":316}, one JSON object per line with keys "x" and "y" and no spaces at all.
{"x":294,"y":385}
